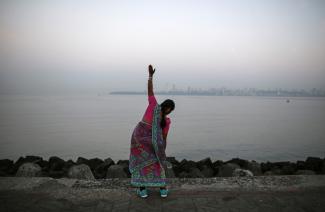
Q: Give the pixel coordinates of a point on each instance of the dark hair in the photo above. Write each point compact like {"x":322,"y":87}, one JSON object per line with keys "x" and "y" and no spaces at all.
{"x":168,"y":103}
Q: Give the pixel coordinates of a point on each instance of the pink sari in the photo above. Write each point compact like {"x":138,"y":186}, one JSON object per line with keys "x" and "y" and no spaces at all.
{"x":147,"y":154}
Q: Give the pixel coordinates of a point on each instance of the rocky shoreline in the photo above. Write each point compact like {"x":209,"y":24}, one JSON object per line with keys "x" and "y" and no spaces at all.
{"x":96,"y":168}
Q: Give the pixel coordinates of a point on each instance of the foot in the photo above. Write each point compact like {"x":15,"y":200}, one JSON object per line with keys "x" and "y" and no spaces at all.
{"x":164,"y":192}
{"x":142,"y":193}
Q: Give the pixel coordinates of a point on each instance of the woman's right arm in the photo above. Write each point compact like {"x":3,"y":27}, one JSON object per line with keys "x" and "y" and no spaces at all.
{"x":150,"y":86}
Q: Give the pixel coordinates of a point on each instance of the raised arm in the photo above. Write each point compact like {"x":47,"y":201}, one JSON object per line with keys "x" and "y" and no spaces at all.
{"x":150,"y":86}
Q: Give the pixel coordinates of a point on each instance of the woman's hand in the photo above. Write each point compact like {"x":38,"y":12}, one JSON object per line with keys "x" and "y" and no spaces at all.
{"x":151,"y":70}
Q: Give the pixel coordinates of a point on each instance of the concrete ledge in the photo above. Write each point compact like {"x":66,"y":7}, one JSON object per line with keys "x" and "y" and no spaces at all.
{"x":259,"y":193}
{"x":256,"y":183}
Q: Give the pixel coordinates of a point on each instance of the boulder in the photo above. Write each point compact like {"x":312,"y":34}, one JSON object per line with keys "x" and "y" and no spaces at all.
{"x":5,"y":166}
{"x":226,"y":170}
{"x":57,"y":174}
{"x":109,"y":161}
{"x":184,"y":175}
{"x":81,"y":171}
{"x":204,"y":163}
{"x":207,"y":171}
{"x":169,"y":170}
{"x":254,"y":167}
{"x":268,"y":173}
{"x":186,"y":165}
{"x":94,"y":162}
{"x":195,"y":173}
{"x":65,"y":169}
{"x":301,"y":165}
{"x":242,"y":173}
{"x":289,"y":169}
{"x":240,"y":162}
{"x":305,"y":172}
{"x":22,"y":160}
{"x":116,"y":171}
{"x":125,"y":164}
{"x":216,"y":166}
{"x":315,"y":164}
{"x":172,"y":160}
{"x":56,"y":163}
{"x":29,"y":170}
{"x":101,"y":170}
{"x":82,"y":160}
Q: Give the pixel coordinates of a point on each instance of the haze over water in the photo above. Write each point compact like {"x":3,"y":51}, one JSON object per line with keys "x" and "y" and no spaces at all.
{"x":255,"y":128}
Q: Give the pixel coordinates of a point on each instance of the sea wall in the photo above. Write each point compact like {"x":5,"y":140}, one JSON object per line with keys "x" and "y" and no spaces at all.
{"x":96,"y":168}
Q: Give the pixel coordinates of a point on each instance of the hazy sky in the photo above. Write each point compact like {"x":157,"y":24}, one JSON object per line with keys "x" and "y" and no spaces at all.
{"x":93,"y":46}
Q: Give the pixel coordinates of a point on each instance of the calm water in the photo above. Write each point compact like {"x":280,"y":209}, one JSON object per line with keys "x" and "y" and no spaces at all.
{"x":254,"y":128}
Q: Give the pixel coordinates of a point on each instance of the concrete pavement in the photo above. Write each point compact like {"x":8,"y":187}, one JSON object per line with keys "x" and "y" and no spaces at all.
{"x":259,"y":193}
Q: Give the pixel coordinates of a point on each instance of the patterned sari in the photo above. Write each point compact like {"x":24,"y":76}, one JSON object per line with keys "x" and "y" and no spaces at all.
{"x":147,"y":162}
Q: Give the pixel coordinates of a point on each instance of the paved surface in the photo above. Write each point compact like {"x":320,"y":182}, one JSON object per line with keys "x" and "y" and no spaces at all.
{"x":263,"y":193}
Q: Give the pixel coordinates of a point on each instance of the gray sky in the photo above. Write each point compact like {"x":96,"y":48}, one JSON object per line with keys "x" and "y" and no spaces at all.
{"x":93,"y":46}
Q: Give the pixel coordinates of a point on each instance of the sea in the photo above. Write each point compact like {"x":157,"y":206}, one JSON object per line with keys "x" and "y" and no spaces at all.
{"x":220,"y":127}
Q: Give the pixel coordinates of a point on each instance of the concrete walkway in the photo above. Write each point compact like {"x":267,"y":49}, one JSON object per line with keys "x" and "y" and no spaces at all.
{"x":260,"y":193}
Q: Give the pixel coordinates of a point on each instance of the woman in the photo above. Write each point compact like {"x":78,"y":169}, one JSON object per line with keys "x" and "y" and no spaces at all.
{"x":147,"y":162}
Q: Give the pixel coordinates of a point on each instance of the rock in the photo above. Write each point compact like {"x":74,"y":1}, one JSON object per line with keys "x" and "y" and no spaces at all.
{"x":268,"y":173}
{"x":109,"y":161}
{"x":94,"y":162}
{"x":195,"y":173}
{"x":22,"y":160}
{"x":277,"y":171}
{"x":315,"y":164}
{"x":204,"y":163}
{"x":82,"y":160}
{"x":279,"y":168}
{"x":289,"y":169}
{"x":5,"y":166}
{"x":207,"y":171}
{"x":45,"y":165}
{"x":186,"y":165}
{"x":226,"y":170}
{"x":266,"y":166}
{"x":56,"y":163}
{"x":81,"y":171}
{"x":65,"y":168}
{"x":29,"y":170}
{"x":254,"y":167}
{"x":172,"y":160}
{"x":216,"y":166}
{"x":57,"y":174}
{"x":242,"y":173}
{"x":116,"y":171}
{"x":240,"y":162}
{"x":183,"y":175}
{"x":125,"y":164}
{"x":301,"y":165}
{"x":101,"y":170}
{"x":305,"y":172}
{"x":169,"y":170}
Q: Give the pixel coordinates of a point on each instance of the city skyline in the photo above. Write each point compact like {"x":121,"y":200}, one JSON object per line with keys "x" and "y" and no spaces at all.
{"x":224,"y":91}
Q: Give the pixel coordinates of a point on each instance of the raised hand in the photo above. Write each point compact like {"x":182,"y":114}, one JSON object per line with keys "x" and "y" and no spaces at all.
{"x":151,"y":70}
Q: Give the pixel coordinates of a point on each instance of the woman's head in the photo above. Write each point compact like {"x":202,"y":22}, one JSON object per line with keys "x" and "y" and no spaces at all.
{"x":167,"y":107}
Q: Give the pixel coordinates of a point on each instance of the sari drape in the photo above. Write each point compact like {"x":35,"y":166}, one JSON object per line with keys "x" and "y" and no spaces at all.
{"x":147,"y":162}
